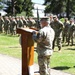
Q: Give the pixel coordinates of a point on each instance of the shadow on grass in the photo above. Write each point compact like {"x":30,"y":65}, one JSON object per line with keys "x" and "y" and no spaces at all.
{"x":70,"y":49}
{"x":74,"y":66}
{"x":61,"y":68}
{"x":9,"y":35}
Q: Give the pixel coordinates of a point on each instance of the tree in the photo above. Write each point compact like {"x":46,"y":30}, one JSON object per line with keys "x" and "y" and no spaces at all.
{"x":27,"y":7}
{"x":54,"y":6}
{"x":15,"y":7}
{"x":60,"y":6}
{"x":1,"y":6}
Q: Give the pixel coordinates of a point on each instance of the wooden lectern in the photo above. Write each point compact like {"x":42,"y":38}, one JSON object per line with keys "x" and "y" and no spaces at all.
{"x":27,"y":44}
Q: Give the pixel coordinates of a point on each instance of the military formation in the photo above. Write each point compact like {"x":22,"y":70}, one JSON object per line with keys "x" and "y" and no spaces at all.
{"x":64,"y":31}
{"x":8,"y":25}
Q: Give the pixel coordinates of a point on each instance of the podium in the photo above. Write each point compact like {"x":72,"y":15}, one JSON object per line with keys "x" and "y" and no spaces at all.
{"x":27,"y":45}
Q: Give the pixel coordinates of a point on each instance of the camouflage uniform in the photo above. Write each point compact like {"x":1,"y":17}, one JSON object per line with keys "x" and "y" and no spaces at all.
{"x":24,"y":21}
{"x":6,"y":25}
{"x":58,"y":27}
{"x":71,"y":33}
{"x":19,"y":22}
{"x":65,"y":30}
{"x":1,"y":23}
{"x":44,"y":41}
{"x":13,"y":26}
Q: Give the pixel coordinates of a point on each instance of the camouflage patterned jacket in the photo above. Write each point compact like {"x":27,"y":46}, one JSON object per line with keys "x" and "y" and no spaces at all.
{"x":58,"y":26}
{"x":44,"y":40}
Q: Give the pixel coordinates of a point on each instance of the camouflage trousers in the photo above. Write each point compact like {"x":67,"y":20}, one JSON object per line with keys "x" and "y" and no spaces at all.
{"x":57,"y":40}
{"x":71,"y":38}
{"x":44,"y":62}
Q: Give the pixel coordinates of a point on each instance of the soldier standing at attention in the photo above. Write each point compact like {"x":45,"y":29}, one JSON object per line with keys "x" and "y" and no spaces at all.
{"x":65,"y":30}
{"x":71,"y":31}
{"x":44,"y":39}
{"x":6,"y":25}
{"x":1,"y":24}
{"x":13,"y":26}
{"x":58,"y":28}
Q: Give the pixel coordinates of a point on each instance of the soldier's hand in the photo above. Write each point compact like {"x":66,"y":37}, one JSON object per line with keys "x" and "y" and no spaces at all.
{"x":34,"y":35}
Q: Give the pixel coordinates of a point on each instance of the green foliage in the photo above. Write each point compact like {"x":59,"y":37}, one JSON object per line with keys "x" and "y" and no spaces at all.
{"x":20,"y":6}
{"x":16,"y":5}
{"x":53,"y":6}
{"x":62,"y":19}
{"x":27,"y":7}
{"x":1,"y":5}
{"x":59,"y":6}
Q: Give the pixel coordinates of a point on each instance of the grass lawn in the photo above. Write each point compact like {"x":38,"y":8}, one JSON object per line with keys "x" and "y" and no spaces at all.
{"x":9,"y":45}
{"x":64,"y":61}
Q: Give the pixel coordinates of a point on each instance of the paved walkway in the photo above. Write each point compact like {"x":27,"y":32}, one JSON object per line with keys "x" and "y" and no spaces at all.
{"x":12,"y":66}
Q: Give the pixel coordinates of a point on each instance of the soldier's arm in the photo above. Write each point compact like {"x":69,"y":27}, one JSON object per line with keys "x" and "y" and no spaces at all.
{"x":61,"y":25}
{"x":38,"y":37}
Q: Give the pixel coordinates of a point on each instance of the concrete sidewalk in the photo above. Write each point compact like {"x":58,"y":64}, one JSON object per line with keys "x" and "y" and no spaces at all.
{"x":12,"y":66}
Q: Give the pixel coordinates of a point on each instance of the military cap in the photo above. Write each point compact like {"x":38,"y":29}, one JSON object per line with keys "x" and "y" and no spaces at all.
{"x":44,"y":19}
{"x":54,"y":16}
{"x":71,"y":19}
{"x":50,"y":15}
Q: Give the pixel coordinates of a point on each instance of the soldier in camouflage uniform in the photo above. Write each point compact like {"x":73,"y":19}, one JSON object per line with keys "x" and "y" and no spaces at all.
{"x":65,"y":30}
{"x":6,"y":25}
{"x":71,"y":31}
{"x":58,"y":27}
{"x":44,"y":39}
{"x":1,"y":24}
{"x":24,"y":21}
{"x":19,"y":22}
{"x":13,"y":26}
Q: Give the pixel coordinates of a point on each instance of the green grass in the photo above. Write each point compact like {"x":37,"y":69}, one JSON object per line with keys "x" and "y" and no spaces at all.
{"x":9,"y":45}
{"x":64,"y":61}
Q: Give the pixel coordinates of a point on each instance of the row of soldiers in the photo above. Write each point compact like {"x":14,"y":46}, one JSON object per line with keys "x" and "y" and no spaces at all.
{"x":9,"y":24}
{"x":64,"y":32}
{"x":69,"y":31}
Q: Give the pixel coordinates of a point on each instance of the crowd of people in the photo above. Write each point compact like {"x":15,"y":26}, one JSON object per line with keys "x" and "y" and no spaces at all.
{"x":64,"y":31}
{"x":52,"y":31}
{"x":9,"y":24}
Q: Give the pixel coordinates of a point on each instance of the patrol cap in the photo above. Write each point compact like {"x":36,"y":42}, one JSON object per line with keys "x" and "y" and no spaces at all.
{"x":44,"y":19}
{"x":50,"y":15}
{"x":54,"y":16}
{"x":71,"y":19}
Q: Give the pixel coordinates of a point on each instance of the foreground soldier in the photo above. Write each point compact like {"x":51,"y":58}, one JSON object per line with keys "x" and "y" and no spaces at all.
{"x":58,"y":27}
{"x":44,"y":39}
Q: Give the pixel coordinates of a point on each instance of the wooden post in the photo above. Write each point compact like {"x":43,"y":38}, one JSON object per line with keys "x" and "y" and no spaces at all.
{"x":27,"y":50}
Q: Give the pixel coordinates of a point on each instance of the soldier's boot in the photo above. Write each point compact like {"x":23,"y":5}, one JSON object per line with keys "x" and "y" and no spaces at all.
{"x":68,"y":42}
{"x":59,"y":48}
{"x":72,"y":43}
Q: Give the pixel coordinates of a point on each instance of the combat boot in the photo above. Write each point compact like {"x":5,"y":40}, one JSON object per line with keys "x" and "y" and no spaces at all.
{"x":59,"y":49}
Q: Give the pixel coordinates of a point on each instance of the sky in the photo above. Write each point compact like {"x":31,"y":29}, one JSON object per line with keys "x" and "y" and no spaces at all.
{"x":39,"y":6}
{"x":38,"y":1}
